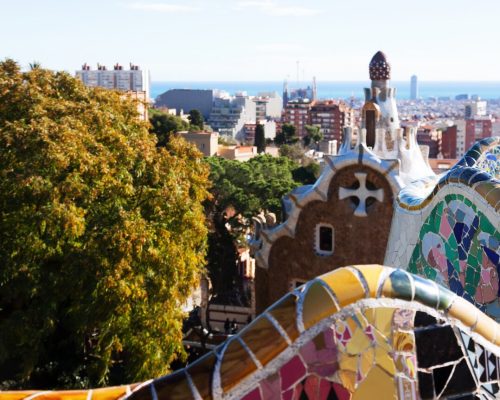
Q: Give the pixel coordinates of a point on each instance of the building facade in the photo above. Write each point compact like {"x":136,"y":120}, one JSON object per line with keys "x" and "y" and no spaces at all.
{"x":331,"y":117}
{"x":206,"y":142}
{"x":134,"y":79}
{"x":477,"y":128}
{"x":186,"y":100}
{"x":296,"y":113}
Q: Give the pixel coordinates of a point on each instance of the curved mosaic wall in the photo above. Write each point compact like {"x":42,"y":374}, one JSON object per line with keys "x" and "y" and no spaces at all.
{"x":356,"y":333}
{"x":459,"y":248}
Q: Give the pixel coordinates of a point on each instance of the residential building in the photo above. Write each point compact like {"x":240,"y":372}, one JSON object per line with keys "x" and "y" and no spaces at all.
{"x":267,"y":105}
{"x":475,"y":109}
{"x":477,"y":128}
{"x":186,"y":100}
{"x":134,"y":79}
{"x":296,"y":113}
{"x":449,"y":142}
{"x":269,"y":130}
{"x":240,"y":153}
{"x":331,"y":117}
{"x":230,"y":114}
{"x":206,"y":142}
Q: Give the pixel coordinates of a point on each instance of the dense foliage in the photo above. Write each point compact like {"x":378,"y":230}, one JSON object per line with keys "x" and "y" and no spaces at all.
{"x":102,"y":235}
{"x":196,"y":122}
{"x":240,"y":191}
{"x":287,"y":135}
{"x":260,"y":138}
{"x":164,"y":125}
{"x":314,"y":135}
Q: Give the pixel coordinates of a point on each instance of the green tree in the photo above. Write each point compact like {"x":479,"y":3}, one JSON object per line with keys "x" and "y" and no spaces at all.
{"x":294,"y":152}
{"x":288,"y":135}
{"x":314,"y":135}
{"x":195,"y":120}
{"x":102,"y":235}
{"x":163,"y":125}
{"x":260,"y":138}
{"x":240,"y":190}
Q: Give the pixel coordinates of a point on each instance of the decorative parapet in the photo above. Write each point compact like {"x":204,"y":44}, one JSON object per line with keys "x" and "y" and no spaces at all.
{"x":360,"y":155}
{"x":321,"y":328}
{"x":479,"y":169}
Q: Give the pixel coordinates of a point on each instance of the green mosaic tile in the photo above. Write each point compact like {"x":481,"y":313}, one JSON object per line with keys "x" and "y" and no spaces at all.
{"x":430,"y":273}
{"x":469,"y":276}
{"x":485,"y":225}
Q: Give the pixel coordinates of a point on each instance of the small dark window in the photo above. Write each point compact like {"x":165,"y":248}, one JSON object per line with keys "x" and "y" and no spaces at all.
{"x":326,"y":239}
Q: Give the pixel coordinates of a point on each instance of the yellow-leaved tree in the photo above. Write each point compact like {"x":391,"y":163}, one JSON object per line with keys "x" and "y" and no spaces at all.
{"x":102,"y":235}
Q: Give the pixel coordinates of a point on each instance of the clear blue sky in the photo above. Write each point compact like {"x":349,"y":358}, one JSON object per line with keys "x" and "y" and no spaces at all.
{"x":239,"y":40}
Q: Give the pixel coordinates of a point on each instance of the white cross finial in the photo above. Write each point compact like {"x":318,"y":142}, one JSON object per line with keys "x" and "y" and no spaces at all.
{"x":362,"y":193}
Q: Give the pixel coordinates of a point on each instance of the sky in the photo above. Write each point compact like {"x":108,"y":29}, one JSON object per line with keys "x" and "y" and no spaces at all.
{"x":258,"y":40}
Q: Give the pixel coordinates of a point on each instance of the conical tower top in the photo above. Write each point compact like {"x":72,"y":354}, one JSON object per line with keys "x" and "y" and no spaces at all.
{"x":380,"y":69}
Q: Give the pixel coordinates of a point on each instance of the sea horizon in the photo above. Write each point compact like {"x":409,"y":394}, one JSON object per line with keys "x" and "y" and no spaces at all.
{"x":487,"y":90}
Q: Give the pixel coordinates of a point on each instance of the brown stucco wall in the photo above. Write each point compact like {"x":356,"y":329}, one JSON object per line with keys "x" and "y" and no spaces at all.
{"x":358,"y":240}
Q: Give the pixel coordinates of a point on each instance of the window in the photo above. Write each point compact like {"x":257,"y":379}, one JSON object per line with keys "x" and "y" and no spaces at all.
{"x":324,"y":239}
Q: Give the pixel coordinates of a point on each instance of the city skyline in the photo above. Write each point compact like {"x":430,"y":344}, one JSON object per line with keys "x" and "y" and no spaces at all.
{"x":259,"y":40}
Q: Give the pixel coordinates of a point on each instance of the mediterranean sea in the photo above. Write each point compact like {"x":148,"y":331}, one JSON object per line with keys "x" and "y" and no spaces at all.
{"x":344,"y":89}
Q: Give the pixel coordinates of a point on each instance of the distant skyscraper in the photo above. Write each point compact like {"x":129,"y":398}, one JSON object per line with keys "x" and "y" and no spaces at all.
{"x":414,"y":88}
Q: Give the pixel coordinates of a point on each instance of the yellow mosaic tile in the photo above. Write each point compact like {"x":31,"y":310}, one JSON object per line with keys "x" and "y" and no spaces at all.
{"x":358,"y":343}
{"x":387,"y":288}
{"x":108,"y":393}
{"x":383,"y":320}
{"x":486,"y":327}
{"x":236,"y":364}
{"x":346,"y":286}
{"x":360,"y":317}
{"x":348,"y":379}
{"x":371,"y":274}
{"x":348,"y":363}
{"x":378,"y":384}
{"x":285,"y":313}
{"x":366,"y":361}
{"x":264,"y":340}
{"x":8,"y":395}
{"x":403,"y":341}
{"x":462,"y":310}
{"x":317,"y":304}
{"x":385,"y":360}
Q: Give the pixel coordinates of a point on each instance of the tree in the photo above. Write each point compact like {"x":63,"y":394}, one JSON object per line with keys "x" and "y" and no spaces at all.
{"x":294,"y":152}
{"x":260,"y":138}
{"x":288,"y":135}
{"x":163,"y":125}
{"x":102,"y":235}
{"x":195,"y":120}
{"x":314,"y":135}
{"x":240,"y":190}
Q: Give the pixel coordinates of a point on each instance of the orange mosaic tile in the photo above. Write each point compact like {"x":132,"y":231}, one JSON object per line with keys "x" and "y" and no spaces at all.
{"x":284,"y":311}
{"x":236,"y":364}
{"x":201,"y":374}
{"x":263,"y":340}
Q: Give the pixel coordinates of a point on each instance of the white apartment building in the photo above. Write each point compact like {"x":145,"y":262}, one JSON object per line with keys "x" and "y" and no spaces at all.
{"x":134,"y":79}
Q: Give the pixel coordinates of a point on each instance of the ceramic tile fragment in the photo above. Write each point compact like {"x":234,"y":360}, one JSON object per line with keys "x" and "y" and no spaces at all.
{"x":318,"y":304}
{"x":263,"y":339}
